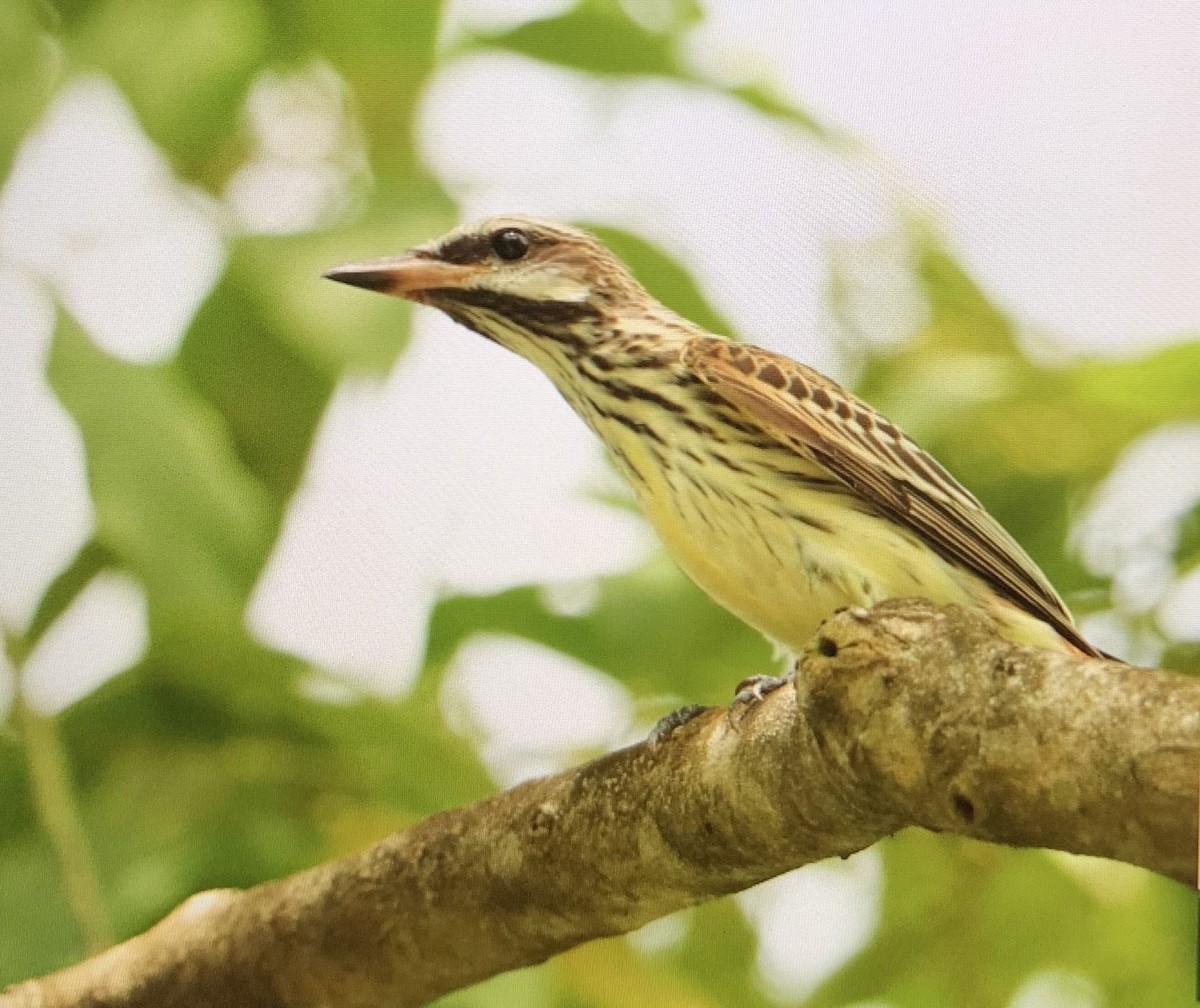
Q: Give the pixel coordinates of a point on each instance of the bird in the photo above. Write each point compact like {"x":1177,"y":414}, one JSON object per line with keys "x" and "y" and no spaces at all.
{"x":783,"y":495}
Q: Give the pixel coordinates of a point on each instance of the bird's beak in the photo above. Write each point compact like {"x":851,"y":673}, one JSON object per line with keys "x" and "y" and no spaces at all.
{"x":406,"y":276}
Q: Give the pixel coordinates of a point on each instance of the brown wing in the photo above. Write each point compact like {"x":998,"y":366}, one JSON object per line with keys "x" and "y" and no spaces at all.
{"x":816,"y":416}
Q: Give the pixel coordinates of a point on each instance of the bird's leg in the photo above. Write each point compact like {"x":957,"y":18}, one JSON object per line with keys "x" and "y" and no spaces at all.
{"x":676,"y":719}
{"x":753,"y":688}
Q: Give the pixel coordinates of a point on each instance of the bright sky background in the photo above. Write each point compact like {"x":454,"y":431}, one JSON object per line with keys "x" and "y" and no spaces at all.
{"x":1036,"y":133}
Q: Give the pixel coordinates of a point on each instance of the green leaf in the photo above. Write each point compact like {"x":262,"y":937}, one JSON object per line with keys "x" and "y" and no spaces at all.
{"x":273,"y":290}
{"x":767,"y":100}
{"x":1144,"y":391}
{"x":1182,"y":656}
{"x":961,"y":313}
{"x":270,"y":395}
{"x":596,"y":36}
{"x":269,"y":344}
{"x":92,"y":558}
{"x":719,"y":954}
{"x":38,"y":934}
{"x":185,"y":66}
{"x":1187,"y":547}
{"x":610,"y":974}
{"x":27,"y":71}
{"x":529,"y":988}
{"x":172,"y":499}
{"x":599,"y":37}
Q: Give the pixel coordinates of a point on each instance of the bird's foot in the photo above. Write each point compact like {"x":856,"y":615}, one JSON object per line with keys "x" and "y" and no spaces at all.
{"x":676,"y":719}
{"x":751,"y":690}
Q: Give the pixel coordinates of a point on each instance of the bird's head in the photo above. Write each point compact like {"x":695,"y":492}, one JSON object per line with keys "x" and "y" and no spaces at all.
{"x":525,"y":283}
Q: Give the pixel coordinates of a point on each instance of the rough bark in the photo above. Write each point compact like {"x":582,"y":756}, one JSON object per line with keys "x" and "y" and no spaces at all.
{"x":907,"y":716}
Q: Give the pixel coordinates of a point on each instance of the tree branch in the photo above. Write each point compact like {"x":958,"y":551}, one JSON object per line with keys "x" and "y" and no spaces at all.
{"x":907,"y":716}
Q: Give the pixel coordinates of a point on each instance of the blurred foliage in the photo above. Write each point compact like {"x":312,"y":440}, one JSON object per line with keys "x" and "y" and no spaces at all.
{"x":945,"y":894}
{"x":1029,"y":439}
{"x":600,"y":37}
{"x":210,"y":763}
{"x":1187,"y":547}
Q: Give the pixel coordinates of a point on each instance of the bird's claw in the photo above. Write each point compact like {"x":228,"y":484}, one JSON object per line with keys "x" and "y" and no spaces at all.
{"x":750,"y":691}
{"x":676,"y":719}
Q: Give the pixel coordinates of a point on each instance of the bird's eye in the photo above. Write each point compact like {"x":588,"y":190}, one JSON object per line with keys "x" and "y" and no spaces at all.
{"x":510,"y":244}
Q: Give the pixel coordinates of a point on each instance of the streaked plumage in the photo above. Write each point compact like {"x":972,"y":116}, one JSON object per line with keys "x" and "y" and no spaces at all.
{"x":781,"y":494}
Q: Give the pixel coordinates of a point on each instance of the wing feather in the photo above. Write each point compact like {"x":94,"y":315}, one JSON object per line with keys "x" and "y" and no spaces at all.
{"x":817,"y":417}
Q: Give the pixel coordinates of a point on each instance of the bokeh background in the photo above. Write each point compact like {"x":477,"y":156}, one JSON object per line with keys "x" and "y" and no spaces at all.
{"x":285,"y":567}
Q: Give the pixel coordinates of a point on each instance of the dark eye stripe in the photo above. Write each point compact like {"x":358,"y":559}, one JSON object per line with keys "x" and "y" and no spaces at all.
{"x":465,"y":249}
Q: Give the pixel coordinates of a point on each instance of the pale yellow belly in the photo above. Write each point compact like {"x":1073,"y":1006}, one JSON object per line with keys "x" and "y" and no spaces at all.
{"x":783,"y":576}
